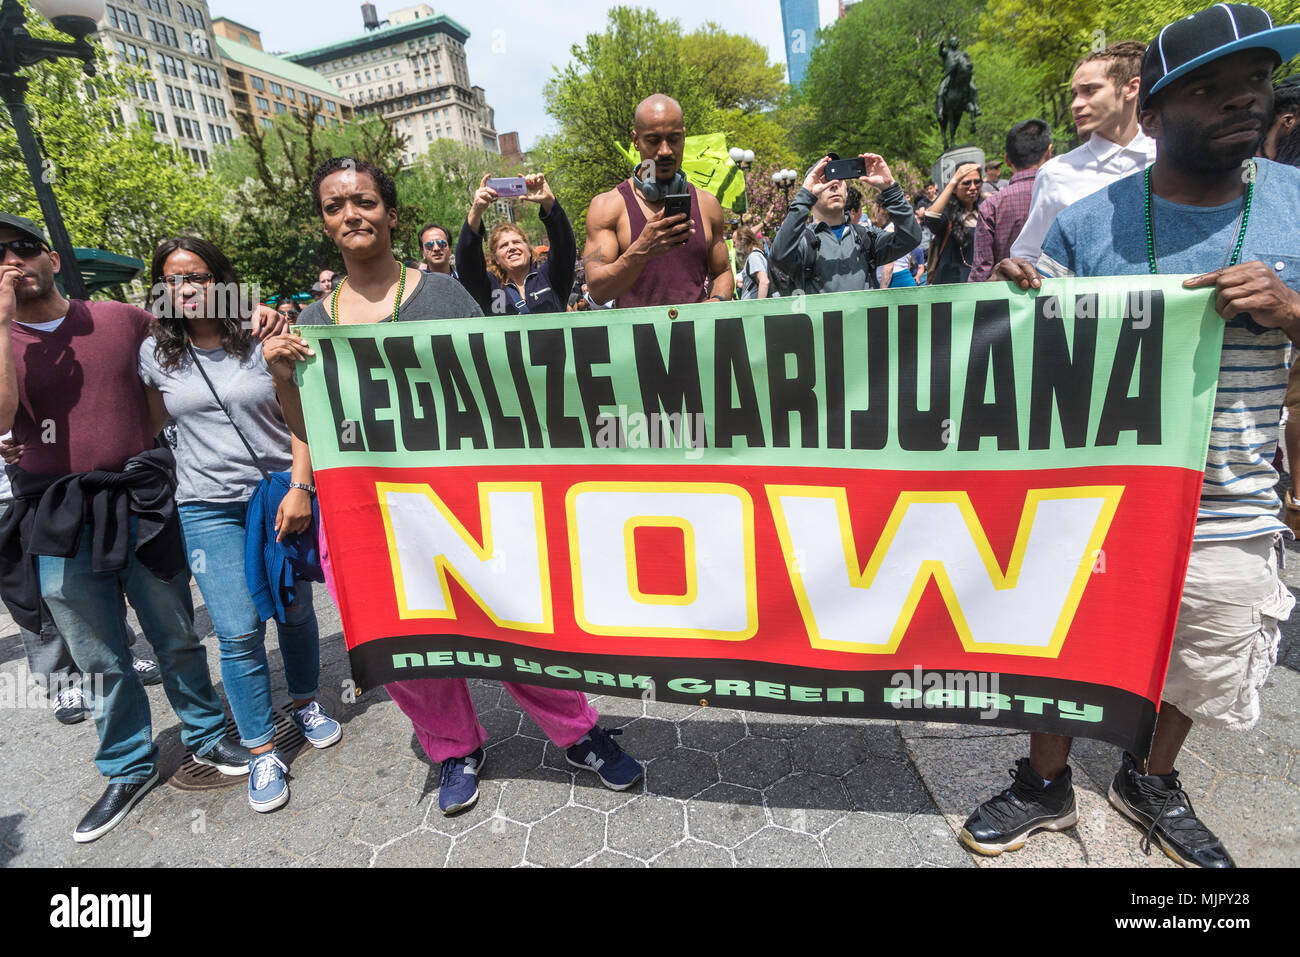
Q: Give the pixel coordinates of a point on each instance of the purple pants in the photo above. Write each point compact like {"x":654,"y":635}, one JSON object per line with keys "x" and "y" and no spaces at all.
{"x":443,"y":715}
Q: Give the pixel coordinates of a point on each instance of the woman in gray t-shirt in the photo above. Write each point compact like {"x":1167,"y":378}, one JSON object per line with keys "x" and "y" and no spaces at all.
{"x":204,"y":366}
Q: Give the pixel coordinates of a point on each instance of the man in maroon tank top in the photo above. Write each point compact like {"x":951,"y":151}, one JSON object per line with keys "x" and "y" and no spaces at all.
{"x":636,"y":256}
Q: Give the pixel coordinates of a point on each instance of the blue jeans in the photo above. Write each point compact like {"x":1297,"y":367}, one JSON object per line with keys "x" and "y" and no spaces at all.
{"x":214,"y":538}
{"x":89,"y":607}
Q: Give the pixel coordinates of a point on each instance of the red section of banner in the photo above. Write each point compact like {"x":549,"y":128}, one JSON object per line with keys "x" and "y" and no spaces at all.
{"x":1119,"y":636}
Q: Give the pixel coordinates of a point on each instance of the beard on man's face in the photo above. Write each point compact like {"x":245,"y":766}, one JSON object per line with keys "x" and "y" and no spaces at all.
{"x":36,"y":288}
{"x":1192,"y":147}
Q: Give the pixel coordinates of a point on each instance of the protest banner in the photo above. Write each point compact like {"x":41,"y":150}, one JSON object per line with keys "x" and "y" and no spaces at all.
{"x":959,"y":503}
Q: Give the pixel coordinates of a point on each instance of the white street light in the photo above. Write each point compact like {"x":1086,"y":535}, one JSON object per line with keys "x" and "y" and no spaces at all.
{"x":78,"y":18}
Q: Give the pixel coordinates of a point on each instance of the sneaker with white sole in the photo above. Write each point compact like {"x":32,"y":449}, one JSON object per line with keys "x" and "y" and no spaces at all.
{"x":70,"y":706}
{"x":458,"y":786}
{"x":267,"y":787}
{"x":113,"y":805}
{"x":598,"y":751}
{"x":146,"y":670}
{"x":316,"y":726}
{"x":227,"y":756}
{"x":1160,"y":806}
{"x":1005,"y":821}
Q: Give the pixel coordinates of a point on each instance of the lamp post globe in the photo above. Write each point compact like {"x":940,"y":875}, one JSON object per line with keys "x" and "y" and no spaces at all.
{"x":77,"y":18}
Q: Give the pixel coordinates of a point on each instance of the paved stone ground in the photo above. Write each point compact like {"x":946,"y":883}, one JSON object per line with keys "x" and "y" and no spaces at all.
{"x":723,"y":788}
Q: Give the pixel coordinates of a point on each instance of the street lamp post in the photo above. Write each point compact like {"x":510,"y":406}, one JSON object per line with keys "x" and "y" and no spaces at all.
{"x":785,"y":179}
{"x":742,"y":158}
{"x":18,"y":48}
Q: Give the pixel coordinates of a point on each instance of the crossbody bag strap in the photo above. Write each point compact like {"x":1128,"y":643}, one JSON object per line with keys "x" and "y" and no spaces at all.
{"x":198,"y":365}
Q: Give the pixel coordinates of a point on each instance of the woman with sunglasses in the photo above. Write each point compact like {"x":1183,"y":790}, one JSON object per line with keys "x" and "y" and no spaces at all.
{"x":952,"y":219}
{"x":210,"y":374}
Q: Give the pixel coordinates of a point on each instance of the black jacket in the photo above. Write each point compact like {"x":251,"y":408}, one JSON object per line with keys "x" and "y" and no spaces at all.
{"x":547,"y":287}
{"x":50,"y":512}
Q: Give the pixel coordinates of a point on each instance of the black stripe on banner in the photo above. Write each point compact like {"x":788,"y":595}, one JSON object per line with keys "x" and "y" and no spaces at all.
{"x":1025,"y":702}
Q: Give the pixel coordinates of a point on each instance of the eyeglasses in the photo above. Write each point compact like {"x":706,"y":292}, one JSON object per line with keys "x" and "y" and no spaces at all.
{"x":189,"y":279}
{"x":24,"y":248}
{"x":436,"y":244}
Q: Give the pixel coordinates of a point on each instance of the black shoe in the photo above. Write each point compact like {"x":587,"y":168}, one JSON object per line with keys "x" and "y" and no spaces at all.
{"x":113,"y":805}
{"x":1158,"y":804}
{"x":146,"y":670}
{"x":226,"y":756}
{"x":70,"y":706}
{"x":1004,"y":822}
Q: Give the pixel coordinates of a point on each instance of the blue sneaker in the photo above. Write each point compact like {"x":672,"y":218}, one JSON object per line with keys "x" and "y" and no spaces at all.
{"x":267,"y":788}
{"x":599,"y":752}
{"x":458,"y":787}
{"x":316,"y":726}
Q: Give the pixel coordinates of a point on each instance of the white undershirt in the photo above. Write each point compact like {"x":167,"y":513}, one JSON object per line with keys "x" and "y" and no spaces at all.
{"x":43,"y":326}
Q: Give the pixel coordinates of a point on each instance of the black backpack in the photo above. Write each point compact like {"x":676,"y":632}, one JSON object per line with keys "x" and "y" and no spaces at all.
{"x":785,"y":284}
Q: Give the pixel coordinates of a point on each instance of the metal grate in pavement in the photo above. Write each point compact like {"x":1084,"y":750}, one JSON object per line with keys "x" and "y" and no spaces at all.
{"x":192,"y":776}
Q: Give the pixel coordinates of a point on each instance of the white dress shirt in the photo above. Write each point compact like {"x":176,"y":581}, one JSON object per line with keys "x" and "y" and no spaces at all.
{"x":1064,"y":180}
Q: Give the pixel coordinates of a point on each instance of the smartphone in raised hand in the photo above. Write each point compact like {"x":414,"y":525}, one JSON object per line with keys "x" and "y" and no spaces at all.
{"x":509,"y":187}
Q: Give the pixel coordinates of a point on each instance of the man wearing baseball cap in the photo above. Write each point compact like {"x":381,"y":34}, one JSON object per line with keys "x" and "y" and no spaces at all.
{"x":1209,"y":208}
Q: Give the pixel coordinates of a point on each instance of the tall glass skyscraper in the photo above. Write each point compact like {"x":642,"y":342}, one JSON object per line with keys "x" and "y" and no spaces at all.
{"x":800,"y":20}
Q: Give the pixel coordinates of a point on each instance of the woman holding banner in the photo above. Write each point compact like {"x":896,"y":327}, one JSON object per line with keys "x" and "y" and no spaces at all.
{"x":357,"y":203}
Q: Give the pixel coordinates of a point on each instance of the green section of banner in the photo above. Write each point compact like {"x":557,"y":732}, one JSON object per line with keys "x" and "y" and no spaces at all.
{"x":1118,"y":371}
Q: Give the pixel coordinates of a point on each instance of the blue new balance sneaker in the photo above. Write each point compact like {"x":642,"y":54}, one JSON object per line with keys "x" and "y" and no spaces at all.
{"x":458,"y":788}
{"x":316,"y":726}
{"x":267,"y":788}
{"x":598,"y":751}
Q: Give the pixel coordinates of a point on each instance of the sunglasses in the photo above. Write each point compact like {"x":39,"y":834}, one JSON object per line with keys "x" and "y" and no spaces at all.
{"x":970,"y":182}
{"x":24,"y":248}
{"x":189,"y":278}
{"x":436,"y":244}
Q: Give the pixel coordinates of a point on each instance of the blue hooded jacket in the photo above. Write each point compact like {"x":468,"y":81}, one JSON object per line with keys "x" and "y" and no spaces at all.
{"x":273,"y":568}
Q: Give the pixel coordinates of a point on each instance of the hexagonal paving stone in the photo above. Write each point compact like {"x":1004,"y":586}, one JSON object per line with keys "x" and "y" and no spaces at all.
{"x":612,"y":859}
{"x":726,"y":814}
{"x":779,"y":727}
{"x":648,"y":738}
{"x":937,"y":842}
{"x":388,"y":771}
{"x":500,"y":723}
{"x":568,"y":836}
{"x":830,"y":749}
{"x":693,"y":854}
{"x":341,"y":854}
{"x":494,"y":843}
{"x":421,"y":848}
{"x":314,"y":828}
{"x":535,"y":795}
{"x":392,"y":814}
{"x":646,"y":826}
{"x":807,"y":802}
{"x":865,"y":840}
{"x":887,"y":786}
{"x":714,"y":730}
{"x":487,"y":695}
{"x":775,"y":847}
{"x":513,"y":757}
{"x":754,"y":762}
{"x":682,"y":774}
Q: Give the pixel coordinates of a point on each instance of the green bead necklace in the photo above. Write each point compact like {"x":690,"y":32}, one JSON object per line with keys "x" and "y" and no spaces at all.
{"x":397,"y":302}
{"x":1243,"y":218}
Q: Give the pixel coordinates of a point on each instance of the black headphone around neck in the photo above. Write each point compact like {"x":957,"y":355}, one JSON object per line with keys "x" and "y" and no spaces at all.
{"x":651,"y":188}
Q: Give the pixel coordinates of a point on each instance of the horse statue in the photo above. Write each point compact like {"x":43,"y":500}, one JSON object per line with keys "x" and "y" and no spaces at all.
{"x":957,"y":92}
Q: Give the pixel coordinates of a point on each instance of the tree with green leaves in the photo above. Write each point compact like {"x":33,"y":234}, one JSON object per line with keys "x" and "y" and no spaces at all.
{"x":872,"y":79}
{"x":594,"y":97}
{"x":273,"y":232}
{"x":440,"y":186}
{"x":118,"y":187}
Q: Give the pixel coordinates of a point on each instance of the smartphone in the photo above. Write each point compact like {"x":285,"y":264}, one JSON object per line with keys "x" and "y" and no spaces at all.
{"x":509,"y":186}
{"x":677,"y":204}
{"x":846,"y":168}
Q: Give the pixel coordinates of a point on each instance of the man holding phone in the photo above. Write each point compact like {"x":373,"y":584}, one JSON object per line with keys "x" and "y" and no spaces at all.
{"x":832,"y":254}
{"x":656,"y":240}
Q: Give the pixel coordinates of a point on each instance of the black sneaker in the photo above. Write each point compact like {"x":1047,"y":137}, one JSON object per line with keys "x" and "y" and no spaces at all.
{"x":1160,"y":806}
{"x":1005,"y":822}
{"x":226,"y":756}
{"x":146,"y":670}
{"x":113,"y":805}
{"x":70,"y":706}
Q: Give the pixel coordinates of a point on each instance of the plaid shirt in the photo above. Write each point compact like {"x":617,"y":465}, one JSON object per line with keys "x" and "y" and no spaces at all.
{"x":1001,"y":218}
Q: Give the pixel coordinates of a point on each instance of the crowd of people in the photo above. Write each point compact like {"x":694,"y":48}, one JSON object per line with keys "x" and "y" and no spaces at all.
{"x":104,"y":513}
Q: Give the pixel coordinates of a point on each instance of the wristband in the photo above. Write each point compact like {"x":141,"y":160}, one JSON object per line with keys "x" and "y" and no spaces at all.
{"x":719,"y":298}
{"x":309,"y":489}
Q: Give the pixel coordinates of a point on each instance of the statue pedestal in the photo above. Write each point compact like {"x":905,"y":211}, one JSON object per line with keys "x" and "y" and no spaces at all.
{"x":947,"y":164}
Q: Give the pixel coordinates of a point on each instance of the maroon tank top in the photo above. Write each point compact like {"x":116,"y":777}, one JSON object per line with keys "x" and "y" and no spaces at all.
{"x":676,"y":278}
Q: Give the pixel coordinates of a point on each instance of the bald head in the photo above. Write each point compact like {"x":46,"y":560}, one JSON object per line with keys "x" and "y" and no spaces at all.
{"x":658,"y":109}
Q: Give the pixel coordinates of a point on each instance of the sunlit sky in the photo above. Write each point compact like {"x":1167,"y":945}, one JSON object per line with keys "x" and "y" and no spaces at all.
{"x":537,"y":38}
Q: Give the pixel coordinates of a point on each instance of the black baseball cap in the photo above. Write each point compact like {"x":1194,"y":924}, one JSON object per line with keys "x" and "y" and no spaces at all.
{"x":25,"y":226}
{"x":1213,"y":33}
